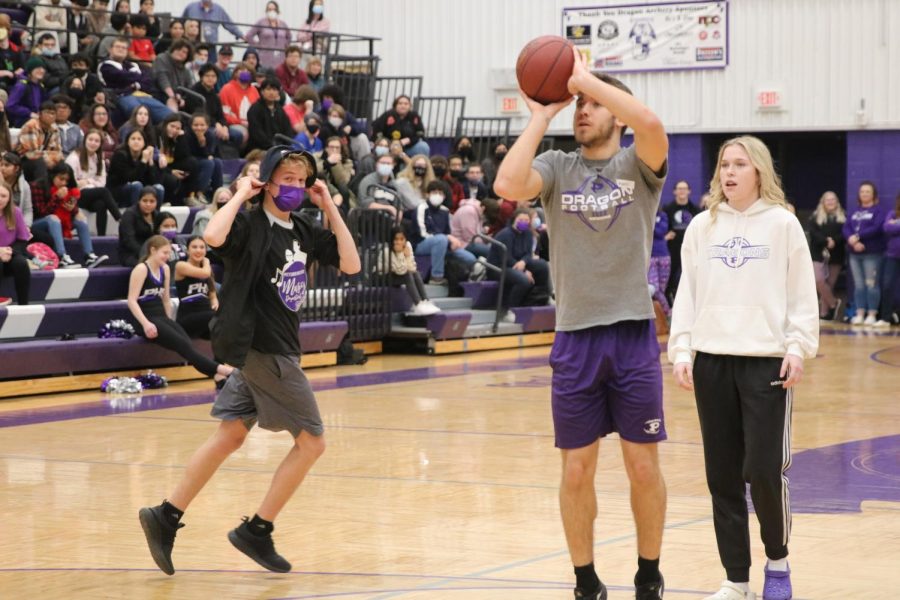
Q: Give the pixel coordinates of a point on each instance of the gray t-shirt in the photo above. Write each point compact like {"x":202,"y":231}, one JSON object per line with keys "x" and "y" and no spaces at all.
{"x":600,"y":217}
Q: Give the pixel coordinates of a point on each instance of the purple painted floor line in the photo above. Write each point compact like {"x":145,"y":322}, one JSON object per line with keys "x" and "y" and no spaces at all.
{"x":113,"y":405}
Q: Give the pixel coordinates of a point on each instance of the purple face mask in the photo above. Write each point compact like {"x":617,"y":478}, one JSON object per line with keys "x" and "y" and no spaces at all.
{"x":523,"y":225}
{"x":170,"y":234}
{"x":244,"y":77}
{"x":289,"y":198}
{"x":326,"y":103}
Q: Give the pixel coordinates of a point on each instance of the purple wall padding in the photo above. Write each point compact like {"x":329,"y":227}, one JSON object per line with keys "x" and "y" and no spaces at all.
{"x":685,"y":162}
{"x":873,"y":155}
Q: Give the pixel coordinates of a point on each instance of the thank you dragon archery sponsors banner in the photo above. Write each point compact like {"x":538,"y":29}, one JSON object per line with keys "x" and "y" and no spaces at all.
{"x":651,"y":37}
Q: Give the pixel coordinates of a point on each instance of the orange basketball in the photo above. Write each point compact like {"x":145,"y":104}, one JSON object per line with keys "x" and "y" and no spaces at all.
{"x":544,"y":67}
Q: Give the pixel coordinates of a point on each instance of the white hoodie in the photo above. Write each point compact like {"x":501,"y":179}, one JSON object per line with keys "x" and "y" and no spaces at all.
{"x":747,"y":286}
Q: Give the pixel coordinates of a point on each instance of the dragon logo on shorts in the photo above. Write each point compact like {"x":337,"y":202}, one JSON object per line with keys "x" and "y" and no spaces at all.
{"x":736,"y":252}
{"x":652,"y":426}
{"x":290,"y":280}
{"x":599,"y":199}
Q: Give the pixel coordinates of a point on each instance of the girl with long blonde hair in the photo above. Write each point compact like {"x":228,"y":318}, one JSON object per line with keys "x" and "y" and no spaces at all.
{"x":743,"y":322}
{"x":826,"y":243}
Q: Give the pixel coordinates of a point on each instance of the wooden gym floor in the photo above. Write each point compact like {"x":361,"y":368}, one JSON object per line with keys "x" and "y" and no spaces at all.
{"x":440,"y":481}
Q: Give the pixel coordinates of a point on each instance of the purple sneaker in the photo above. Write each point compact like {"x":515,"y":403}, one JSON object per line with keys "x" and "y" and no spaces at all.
{"x":777,"y":585}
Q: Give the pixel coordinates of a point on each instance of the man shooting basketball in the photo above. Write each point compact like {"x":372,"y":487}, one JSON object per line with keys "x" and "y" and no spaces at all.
{"x":600,"y":203}
{"x":266,"y":252}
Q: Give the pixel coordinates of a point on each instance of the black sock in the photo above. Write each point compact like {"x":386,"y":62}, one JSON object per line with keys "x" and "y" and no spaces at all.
{"x":172,"y":514}
{"x":259,"y":526}
{"x":586,"y":578}
{"x":648,"y":571}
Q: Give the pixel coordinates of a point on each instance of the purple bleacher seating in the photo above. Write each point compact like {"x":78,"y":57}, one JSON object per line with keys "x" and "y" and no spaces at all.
{"x":231,"y":168}
{"x":400,"y":300}
{"x":448,"y":324}
{"x":104,"y":283}
{"x":423,"y":266}
{"x":36,"y":358}
{"x":103,"y":244}
{"x":482,"y":293}
{"x":53,"y":320}
{"x":536,"y":318}
{"x":322,"y":336}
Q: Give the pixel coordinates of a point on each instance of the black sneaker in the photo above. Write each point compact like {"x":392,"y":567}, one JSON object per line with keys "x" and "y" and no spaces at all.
{"x":94,"y":261}
{"x":598,"y":594}
{"x":260,"y":548}
{"x":650,"y":591}
{"x":160,"y":537}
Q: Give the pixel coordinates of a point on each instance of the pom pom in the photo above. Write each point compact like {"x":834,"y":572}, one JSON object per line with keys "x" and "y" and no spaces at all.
{"x":152,"y":381}
{"x":117,"y":328}
{"x":121,"y":385}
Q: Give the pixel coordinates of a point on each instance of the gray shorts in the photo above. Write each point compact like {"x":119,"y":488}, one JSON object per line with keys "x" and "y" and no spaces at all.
{"x":270,"y":389}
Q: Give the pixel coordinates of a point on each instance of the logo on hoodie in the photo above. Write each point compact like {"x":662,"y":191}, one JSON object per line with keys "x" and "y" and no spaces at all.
{"x":290,"y":280}
{"x":736,"y":252}
{"x":599,"y":199}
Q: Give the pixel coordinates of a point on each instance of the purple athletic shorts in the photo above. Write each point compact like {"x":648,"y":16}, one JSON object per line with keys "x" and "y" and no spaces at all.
{"x":607,"y":378}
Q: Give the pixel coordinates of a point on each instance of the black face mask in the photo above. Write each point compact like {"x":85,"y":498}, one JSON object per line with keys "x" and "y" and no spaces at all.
{"x":76,"y":93}
{"x":458,"y":173}
{"x":419,"y":171}
{"x":439,"y":171}
{"x":466,"y":152}
{"x":79,"y":72}
{"x":499,"y":156}
{"x":313,"y":129}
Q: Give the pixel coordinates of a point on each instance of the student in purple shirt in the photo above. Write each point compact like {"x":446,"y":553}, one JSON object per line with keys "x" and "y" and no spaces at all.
{"x":865,"y":242}
{"x":891,"y":263}
{"x":660,"y":261}
{"x":13,"y":236}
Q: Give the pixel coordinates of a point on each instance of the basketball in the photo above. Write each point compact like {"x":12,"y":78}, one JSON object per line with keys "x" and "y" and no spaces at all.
{"x":544,"y":67}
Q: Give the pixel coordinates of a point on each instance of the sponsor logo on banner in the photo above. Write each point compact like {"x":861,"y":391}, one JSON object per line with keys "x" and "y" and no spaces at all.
{"x":579,"y":34}
{"x":608,"y":30}
{"x":706,"y":54}
{"x":608,"y":61}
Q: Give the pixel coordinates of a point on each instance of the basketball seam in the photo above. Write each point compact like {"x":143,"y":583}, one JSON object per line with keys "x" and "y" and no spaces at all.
{"x":550,"y":70}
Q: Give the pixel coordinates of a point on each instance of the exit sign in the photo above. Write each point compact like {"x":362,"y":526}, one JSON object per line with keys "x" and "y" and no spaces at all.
{"x":769,"y":99}
{"x":510,"y":104}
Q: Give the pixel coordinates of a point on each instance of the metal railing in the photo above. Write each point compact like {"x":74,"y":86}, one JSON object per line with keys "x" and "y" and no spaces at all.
{"x":363,"y":300}
{"x":356,"y":76}
{"x":504,"y":251}
{"x":484,"y":133}
{"x":387,"y":89}
{"x":440,"y":114}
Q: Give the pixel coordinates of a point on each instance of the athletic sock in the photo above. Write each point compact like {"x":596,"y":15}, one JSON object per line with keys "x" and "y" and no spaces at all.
{"x":648,"y":571}
{"x":259,"y":526}
{"x":777,"y":565}
{"x":586,"y":578}
{"x":744,"y":585}
{"x":171,"y":513}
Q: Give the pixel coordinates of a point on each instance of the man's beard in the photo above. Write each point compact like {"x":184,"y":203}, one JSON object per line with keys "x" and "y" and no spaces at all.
{"x":595,"y":138}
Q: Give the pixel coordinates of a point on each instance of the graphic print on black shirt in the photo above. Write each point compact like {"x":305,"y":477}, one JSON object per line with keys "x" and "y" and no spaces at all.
{"x":279,"y":293}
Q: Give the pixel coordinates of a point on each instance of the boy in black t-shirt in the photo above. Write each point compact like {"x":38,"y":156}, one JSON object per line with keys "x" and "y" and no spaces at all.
{"x":266,"y":252}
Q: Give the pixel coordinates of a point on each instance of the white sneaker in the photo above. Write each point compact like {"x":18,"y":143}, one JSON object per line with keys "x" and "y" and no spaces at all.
{"x":731,"y":591}
{"x":424,"y":309}
{"x":509,"y":317}
{"x":93,"y":260}
{"x":857,"y":320}
{"x":434,"y":308}
{"x":66,"y":262}
{"x":870,"y":320}
{"x":881,"y":324}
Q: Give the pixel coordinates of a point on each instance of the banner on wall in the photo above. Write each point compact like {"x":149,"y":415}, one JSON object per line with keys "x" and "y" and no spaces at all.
{"x":651,"y":37}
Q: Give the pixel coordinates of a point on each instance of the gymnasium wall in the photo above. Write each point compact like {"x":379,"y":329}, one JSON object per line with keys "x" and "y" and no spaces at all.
{"x":825,"y":55}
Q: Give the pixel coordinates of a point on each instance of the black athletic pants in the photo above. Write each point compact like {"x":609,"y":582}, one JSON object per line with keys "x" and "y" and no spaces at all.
{"x":745,"y":421}
{"x":17,"y":267}
{"x":414,"y":285}
{"x":173,"y":337}
{"x":195,"y":322}
{"x":99,"y":201}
